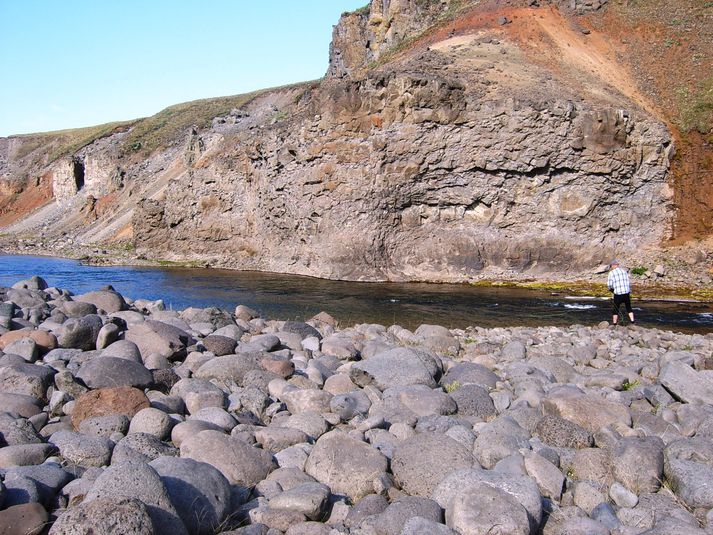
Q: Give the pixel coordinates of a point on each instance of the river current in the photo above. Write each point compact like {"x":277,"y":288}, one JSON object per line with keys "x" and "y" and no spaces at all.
{"x":278,"y":296}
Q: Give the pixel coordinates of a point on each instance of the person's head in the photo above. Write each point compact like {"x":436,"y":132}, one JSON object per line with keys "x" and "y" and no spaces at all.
{"x":614,"y":264}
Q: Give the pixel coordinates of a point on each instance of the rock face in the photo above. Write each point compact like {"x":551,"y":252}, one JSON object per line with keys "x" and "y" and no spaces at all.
{"x":444,"y":169}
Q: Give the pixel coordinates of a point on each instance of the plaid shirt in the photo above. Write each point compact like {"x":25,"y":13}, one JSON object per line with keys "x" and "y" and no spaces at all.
{"x":618,"y":281}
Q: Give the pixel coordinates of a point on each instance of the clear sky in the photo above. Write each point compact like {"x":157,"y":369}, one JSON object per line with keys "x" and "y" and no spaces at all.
{"x":72,"y":63}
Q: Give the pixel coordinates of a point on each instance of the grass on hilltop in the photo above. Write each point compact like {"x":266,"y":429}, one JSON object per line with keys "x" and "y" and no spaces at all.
{"x":166,"y":126}
{"x":65,"y":142}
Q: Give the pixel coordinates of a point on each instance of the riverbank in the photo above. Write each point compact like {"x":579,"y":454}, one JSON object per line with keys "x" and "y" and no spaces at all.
{"x":117,"y":412}
{"x":683,"y":274}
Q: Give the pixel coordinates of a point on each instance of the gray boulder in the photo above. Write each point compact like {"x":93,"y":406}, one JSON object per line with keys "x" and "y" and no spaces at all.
{"x":80,"y":333}
{"x":483,"y":509}
{"x":26,"y":379}
{"x":198,"y":491}
{"x":522,"y":488}
{"x":398,"y":367}
{"x":470,"y":373}
{"x":499,"y":439}
{"x":686,"y":384}
{"x":691,"y":482}
{"x":83,"y":450}
{"x":137,"y":480}
{"x":123,"y":349}
{"x":103,"y":372}
{"x":105,"y":426}
{"x":310,"y":499}
{"x":24,"y":454}
{"x":154,"y":336}
{"x":48,"y":477}
{"x":152,"y":421}
{"x":107,"y":300}
{"x":303,"y":329}
{"x":422,"y":461}
{"x":637,"y":463}
{"x":240,"y":463}
{"x":16,"y":431}
{"x":473,"y":400}
{"x":345,"y":465}
{"x":141,"y":447}
{"x":105,"y":516}
{"x":392,"y":520}
{"x":228,"y":368}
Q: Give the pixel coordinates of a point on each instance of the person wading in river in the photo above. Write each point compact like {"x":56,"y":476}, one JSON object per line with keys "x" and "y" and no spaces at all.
{"x":619,"y":285}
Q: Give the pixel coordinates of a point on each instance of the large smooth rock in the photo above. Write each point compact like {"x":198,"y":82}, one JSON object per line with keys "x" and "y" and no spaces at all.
{"x":22,"y":404}
{"x":200,"y":493}
{"x":240,"y":463}
{"x":154,"y":336}
{"x":45,"y":341}
{"x":24,"y":519}
{"x":637,"y":463}
{"x":692,"y":482}
{"x":24,"y":454}
{"x":487,"y":510}
{"x":152,"y":421}
{"x":105,"y":516}
{"x":138,"y":480}
{"x":83,"y":450}
{"x":398,"y":367}
{"x":306,"y":400}
{"x":49,"y":478}
{"x":522,"y":488}
{"x":391,"y":520}
{"x":303,"y":329}
{"x":123,"y":349}
{"x":80,"y":333}
{"x":104,"y":401}
{"x":422,"y":461}
{"x":141,"y":447}
{"x":104,"y":372}
{"x":310,"y":499}
{"x":470,"y":373}
{"x":345,"y":465}
{"x":228,"y":368}
{"x":27,"y":379}
{"x":106,"y":300}
{"x":589,"y":411}
{"x":686,"y":384}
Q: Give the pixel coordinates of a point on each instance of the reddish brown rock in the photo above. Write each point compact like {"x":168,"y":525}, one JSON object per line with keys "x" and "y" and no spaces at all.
{"x":27,"y":519}
{"x":46,"y":341}
{"x":103,"y":401}
{"x":283,"y":368}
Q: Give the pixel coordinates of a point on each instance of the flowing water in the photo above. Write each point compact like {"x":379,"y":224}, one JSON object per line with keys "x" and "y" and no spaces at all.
{"x":278,"y":296}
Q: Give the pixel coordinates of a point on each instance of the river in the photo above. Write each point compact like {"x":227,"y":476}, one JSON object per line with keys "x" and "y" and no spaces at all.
{"x":278,"y":296}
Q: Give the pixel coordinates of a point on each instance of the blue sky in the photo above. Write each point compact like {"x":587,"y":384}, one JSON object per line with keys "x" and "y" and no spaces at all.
{"x":72,"y":63}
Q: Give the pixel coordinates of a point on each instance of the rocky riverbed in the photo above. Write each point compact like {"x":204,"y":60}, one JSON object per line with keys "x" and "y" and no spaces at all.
{"x":118,"y":416}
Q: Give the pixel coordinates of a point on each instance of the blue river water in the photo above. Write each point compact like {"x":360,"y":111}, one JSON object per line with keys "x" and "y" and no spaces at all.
{"x":278,"y":296}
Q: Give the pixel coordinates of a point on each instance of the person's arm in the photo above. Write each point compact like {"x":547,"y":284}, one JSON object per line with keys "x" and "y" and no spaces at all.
{"x":610,"y":281}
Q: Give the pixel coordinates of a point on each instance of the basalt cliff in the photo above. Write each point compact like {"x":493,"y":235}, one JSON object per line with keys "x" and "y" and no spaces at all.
{"x":448,"y":141}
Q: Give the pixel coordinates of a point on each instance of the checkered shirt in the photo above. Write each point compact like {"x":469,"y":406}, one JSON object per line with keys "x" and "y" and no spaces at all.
{"x":618,"y":281}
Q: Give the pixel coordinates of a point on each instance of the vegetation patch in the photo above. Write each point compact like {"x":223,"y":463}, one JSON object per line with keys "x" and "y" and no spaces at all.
{"x":696,"y":107}
{"x":639,"y":270}
{"x":160,"y":130}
